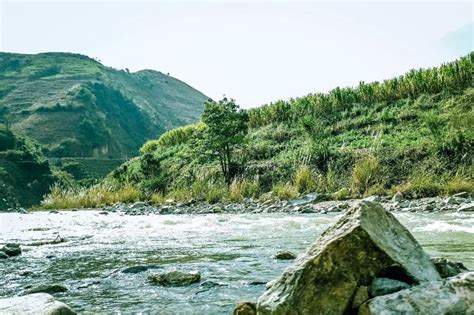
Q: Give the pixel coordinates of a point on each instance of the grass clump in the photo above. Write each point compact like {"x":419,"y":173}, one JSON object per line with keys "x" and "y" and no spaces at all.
{"x":365,"y":174}
{"x":284,"y":191}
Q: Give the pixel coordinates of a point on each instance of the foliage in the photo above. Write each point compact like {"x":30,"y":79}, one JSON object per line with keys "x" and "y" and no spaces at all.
{"x":284,"y":191}
{"x":226,"y":129}
{"x":365,"y":174}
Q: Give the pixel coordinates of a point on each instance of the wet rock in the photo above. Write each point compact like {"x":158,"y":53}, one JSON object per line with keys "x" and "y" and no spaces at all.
{"x":284,"y":255}
{"x":53,"y":211}
{"x":104,"y":212}
{"x":398,"y":197}
{"x":3,"y":255}
{"x":348,"y":255}
{"x":46,"y":288}
{"x":175,"y":278}
{"x":452,"y":296}
{"x":467,"y":207}
{"x":138,"y":269}
{"x":447,"y":268}
{"x":453,"y":201}
{"x":11,"y":250}
{"x":338,"y":207}
{"x":245,"y":308}
{"x":382,"y":286}
{"x":38,"y":304}
{"x":362,"y":295}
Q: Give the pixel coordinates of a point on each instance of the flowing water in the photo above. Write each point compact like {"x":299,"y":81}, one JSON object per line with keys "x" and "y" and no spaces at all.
{"x":232,"y":252}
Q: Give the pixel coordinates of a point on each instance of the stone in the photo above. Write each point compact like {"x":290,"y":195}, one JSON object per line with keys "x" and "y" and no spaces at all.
{"x":175,"y":278}
{"x":46,"y":288}
{"x":374,"y":198}
{"x":245,"y":308}
{"x":382,"y":286}
{"x":453,"y":201}
{"x":467,"y":207}
{"x":362,"y":244}
{"x":463,"y":195}
{"x":398,"y":197}
{"x":11,"y":250}
{"x":309,"y":198}
{"x":362,"y":295}
{"x":3,"y":255}
{"x":284,"y":255}
{"x":447,"y":268}
{"x":138,"y":269}
{"x":451,"y":296}
{"x":34,"y":304}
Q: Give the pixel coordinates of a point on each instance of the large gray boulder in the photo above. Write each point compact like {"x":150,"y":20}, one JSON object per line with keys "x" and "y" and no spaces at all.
{"x":451,"y":296}
{"x":366,"y":242}
{"x":34,"y":304}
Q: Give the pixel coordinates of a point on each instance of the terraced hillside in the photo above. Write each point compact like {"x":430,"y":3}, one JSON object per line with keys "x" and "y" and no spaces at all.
{"x":76,"y":107}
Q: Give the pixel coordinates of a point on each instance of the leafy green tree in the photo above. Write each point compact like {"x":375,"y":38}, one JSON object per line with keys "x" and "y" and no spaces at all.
{"x":227,"y":126}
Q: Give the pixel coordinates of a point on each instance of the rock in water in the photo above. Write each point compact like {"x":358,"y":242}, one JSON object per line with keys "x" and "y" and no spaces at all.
{"x":284,"y":255}
{"x":34,"y":304}
{"x":362,"y":244}
{"x":47,"y":288}
{"x":452,"y":296}
{"x":11,"y":250}
{"x":245,"y":308}
{"x":447,"y":268}
{"x":175,"y":278}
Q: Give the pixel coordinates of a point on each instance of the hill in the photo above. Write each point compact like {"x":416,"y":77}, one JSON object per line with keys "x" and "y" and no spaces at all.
{"x":76,"y":107}
{"x":412,"y":133}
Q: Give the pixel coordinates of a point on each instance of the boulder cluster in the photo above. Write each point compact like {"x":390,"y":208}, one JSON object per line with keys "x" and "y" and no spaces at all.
{"x":367,"y":263}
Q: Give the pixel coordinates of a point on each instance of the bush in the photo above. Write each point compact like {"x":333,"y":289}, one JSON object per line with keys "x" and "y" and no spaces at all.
{"x":216,"y":194}
{"x":459,"y":183}
{"x":304,"y":179}
{"x":365,"y":174}
{"x":342,"y":194}
{"x":284,"y":191}
{"x":242,"y":188}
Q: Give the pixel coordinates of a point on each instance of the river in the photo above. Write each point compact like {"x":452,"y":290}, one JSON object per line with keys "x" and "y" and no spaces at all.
{"x":233,"y":252}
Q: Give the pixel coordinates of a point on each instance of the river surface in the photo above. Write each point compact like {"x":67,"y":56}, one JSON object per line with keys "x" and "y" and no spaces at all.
{"x":233,"y":252}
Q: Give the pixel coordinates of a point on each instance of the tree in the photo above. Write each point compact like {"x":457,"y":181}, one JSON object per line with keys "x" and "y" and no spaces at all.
{"x":227,"y":126}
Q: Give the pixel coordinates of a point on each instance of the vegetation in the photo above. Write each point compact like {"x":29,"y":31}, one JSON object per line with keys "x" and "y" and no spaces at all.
{"x":411,"y":134}
{"x":88,"y":109}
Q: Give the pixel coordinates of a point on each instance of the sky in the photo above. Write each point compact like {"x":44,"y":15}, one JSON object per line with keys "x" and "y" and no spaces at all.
{"x":255,"y":52}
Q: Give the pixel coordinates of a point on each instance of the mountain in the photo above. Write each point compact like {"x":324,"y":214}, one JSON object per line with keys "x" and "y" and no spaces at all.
{"x":76,"y":107}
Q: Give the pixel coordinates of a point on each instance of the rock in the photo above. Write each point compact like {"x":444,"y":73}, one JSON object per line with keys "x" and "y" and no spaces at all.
{"x":245,"y":308}
{"x":11,"y":250}
{"x":46,"y":288}
{"x":137,"y":205}
{"x":373,"y":198}
{"x":3,"y":255}
{"x":34,"y":304}
{"x":362,"y":244}
{"x":338,"y":207}
{"x":309,"y":198}
{"x":463,"y":195}
{"x":284,"y":255}
{"x":447,"y":268}
{"x":362,"y":295}
{"x":467,"y":208}
{"x":175,"y":278}
{"x":398,"y":197}
{"x":382,"y":286}
{"x":104,"y":212}
{"x":170,"y":201}
{"x":453,"y":201}
{"x":452,"y":296}
{"x":138,"y":269}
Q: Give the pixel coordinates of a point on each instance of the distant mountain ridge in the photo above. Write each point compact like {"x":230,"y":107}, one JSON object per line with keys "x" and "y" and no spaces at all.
{"x":76,"y":107}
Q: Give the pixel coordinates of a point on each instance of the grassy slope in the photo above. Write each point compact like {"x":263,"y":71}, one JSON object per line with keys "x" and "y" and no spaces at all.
{"x":417,"y":139}
{"x":50,"y":97}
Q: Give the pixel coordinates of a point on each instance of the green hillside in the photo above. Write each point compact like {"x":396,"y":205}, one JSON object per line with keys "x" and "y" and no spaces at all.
{"x":76,"y":107}
{"x":412,"y":133}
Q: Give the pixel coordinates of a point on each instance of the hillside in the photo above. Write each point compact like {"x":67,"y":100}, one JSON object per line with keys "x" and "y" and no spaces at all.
{"x":412,"y":133}
{"x":74,"y":106}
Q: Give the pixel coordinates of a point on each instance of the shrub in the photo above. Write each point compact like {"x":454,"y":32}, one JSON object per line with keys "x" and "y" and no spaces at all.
{"x":242,"y":188}
{"x":459,"y":183}
{"x":284,"y":191}
{"x":365,"y":174}
{"x":342,"y":194}
{"x":304,"y":179}
{"x":216,"y":194}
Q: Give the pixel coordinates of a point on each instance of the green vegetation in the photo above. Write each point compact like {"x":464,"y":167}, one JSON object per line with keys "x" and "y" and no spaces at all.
{"x":412,"y":134}
{"x":88,"y":118}
{"x":75,"y":107}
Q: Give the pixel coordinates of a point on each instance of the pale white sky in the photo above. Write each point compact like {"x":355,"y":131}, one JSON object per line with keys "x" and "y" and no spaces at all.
{"x":255,"y":52}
